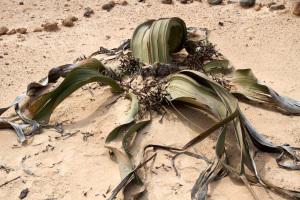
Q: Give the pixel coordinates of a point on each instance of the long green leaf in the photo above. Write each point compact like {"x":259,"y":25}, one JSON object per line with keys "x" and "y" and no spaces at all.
{"x":127,"y":121}
{"x":155,"y":40}
{"x":40,"y":108}
{"x":188,"y":90}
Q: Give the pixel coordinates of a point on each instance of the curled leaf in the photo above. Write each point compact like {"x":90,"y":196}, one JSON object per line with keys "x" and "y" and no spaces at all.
{"x":155,"y":40}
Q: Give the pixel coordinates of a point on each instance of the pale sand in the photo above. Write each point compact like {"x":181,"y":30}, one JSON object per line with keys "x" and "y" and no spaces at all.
{"x":268,"y":42}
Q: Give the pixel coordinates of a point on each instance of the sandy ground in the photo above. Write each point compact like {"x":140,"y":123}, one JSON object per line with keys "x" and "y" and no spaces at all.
{"x":74,"y":168}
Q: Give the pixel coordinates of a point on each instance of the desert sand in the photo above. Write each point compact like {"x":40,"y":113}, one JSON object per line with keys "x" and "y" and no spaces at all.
{"x":80,"y":167}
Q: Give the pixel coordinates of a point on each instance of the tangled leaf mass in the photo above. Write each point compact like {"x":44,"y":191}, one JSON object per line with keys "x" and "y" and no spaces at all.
{"x":161,"y":67}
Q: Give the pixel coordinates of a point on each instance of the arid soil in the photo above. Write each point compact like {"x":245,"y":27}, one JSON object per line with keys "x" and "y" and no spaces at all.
{"x":79,"y":167}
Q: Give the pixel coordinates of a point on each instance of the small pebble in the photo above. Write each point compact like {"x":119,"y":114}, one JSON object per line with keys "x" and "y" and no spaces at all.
{"x":183,"y":1}
{"x":108,"y":6}
{"x":88,"y":12}
{"x":166,"y":1}
{"x":69,"y":21}
{"x":221,"y":24}
{"x":21,"y":30}
{"x":277,"y":7}
{"x":11,"y":32}
{"x":5,"y":53}
{"x":296,"y":8}
{"x":3,"y":30}
{"x":247,"y":3}
{"x":24,"y":193}
{"x":50,"y":27}
{"x":124,"y":3}
{"x":214,"y":2}
{"x":21,"y":3}
{"x":1,"y":56}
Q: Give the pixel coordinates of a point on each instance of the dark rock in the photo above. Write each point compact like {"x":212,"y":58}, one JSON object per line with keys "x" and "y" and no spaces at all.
{"x":214,"y":2}
{"x":3,"y":30}
{"x":69,"y":21}
{"x":21,"y":3}
{"x":166,"y":1}
{"x":247,"y":3}
{"x":24,"y":193}
{"x":183,"y":1}
{"x":124,"y":3}
{"x":21,"y":30}
{"x":277,"y":7}
{"x":221,"y":24}
{"x":50,"y":27}
{"x":108,"y":6}
{"x":88,"y":12}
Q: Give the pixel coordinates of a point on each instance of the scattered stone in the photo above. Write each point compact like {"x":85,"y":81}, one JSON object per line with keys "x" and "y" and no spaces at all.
{"x":24,"y":193}
{"x":124,"y":3}
{"x":258,"y":7}
{"x":3,"y":30}
{"x":108,"y":6}
{"x":231,"y":2}
{"x":296,"y":8}
{"x":6,"y":63}
{"x":38,"y":29}
{"x":277,"y":7}
{"x":214,"y":2}
{"x":69,"y":21}
{"x":183,"y":1}
{"x":21,"y":3}
{"x":5,"y":53}
{"x":11,"y":32}
{"x":88,"y":12}
{"x":107,"y":37}
{"x":1,"y":56}
{"x":21,"y":30}
{"x":247,"y":3}
{"x":50,"y":27}
{"x":221,"y":24}
{"x":166,"y":1}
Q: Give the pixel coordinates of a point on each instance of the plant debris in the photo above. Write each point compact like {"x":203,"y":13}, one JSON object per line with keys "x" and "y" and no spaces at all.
{"x":6,"y":169}
{"x":7,"y":182}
